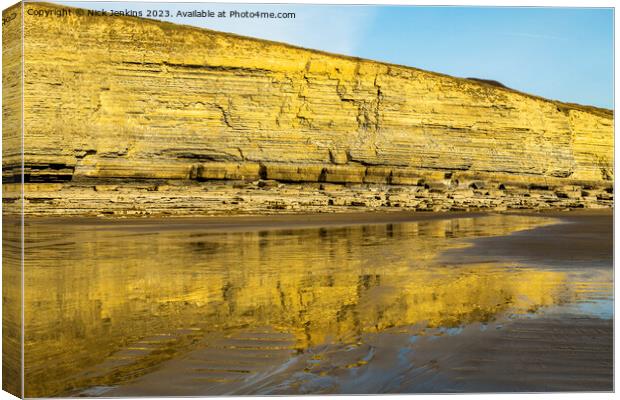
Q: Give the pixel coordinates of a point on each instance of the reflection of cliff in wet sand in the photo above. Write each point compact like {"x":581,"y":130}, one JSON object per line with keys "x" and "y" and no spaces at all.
{"x":129,"y":117}
{"x":229,"y":309}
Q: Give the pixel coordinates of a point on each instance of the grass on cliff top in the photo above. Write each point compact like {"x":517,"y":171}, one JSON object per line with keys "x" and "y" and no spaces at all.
{"x":562,"y":106}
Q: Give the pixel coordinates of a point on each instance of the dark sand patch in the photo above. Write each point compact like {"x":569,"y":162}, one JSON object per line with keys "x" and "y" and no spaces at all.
{"x":523,"y":355}
{"x":583,"y":239}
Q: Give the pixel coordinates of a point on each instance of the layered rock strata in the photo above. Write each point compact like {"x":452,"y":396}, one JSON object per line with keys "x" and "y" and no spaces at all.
{"x":129,"y":116}
{"x":12,"y":228}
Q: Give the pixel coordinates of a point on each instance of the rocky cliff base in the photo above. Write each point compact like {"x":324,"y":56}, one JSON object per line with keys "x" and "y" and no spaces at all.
{"x":131,"y":116}
{"x":264,"y":194}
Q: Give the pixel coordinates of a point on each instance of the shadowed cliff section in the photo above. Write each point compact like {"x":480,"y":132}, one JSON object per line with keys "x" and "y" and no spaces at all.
{"x":136,"y":116}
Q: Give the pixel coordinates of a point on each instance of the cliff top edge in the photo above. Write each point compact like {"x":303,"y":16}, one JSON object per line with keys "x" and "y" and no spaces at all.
{"x":488,"y":83}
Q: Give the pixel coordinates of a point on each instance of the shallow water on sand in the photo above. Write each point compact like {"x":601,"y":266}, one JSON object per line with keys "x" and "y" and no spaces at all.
{"x":126,"y":309}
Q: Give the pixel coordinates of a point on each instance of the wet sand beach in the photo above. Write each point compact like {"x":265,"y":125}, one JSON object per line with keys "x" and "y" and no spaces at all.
{"x":234,"y":223}
{"x":582,"y":237}
{"x":363,"y":303}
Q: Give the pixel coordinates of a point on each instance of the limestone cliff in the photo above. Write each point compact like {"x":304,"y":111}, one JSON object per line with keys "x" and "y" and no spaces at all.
{"x":129,"y":116}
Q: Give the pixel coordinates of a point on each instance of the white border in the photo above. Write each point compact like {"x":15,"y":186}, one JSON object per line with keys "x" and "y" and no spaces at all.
{"x":520,"y":3}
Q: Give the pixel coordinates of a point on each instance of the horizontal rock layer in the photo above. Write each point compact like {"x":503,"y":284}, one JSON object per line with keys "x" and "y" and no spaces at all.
{"x":200,"y":115}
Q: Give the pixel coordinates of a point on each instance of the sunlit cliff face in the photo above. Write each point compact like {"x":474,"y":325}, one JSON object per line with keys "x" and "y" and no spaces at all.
{"x":131,"y":116}
{"x":101,"y":299}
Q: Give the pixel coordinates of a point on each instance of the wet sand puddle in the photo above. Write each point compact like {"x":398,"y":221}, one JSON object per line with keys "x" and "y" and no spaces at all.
{"x":356,"y":309}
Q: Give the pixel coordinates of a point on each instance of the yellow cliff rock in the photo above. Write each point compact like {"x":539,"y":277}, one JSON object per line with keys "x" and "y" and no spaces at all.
{"x":145,"y":104}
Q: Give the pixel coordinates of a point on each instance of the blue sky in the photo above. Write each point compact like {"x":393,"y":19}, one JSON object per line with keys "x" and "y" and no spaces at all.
{"x":558,"y":53}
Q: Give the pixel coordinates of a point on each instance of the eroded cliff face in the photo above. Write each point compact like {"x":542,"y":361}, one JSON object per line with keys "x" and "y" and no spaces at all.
{"x":128,"y":116}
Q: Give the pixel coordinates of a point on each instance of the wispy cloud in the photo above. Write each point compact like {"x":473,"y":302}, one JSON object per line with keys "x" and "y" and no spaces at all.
{"x":334,"y":29}
{"x":532,"y":35}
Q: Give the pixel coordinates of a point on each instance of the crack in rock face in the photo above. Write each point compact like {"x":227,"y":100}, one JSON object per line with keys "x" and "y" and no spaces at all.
{"x":203,"y":117}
